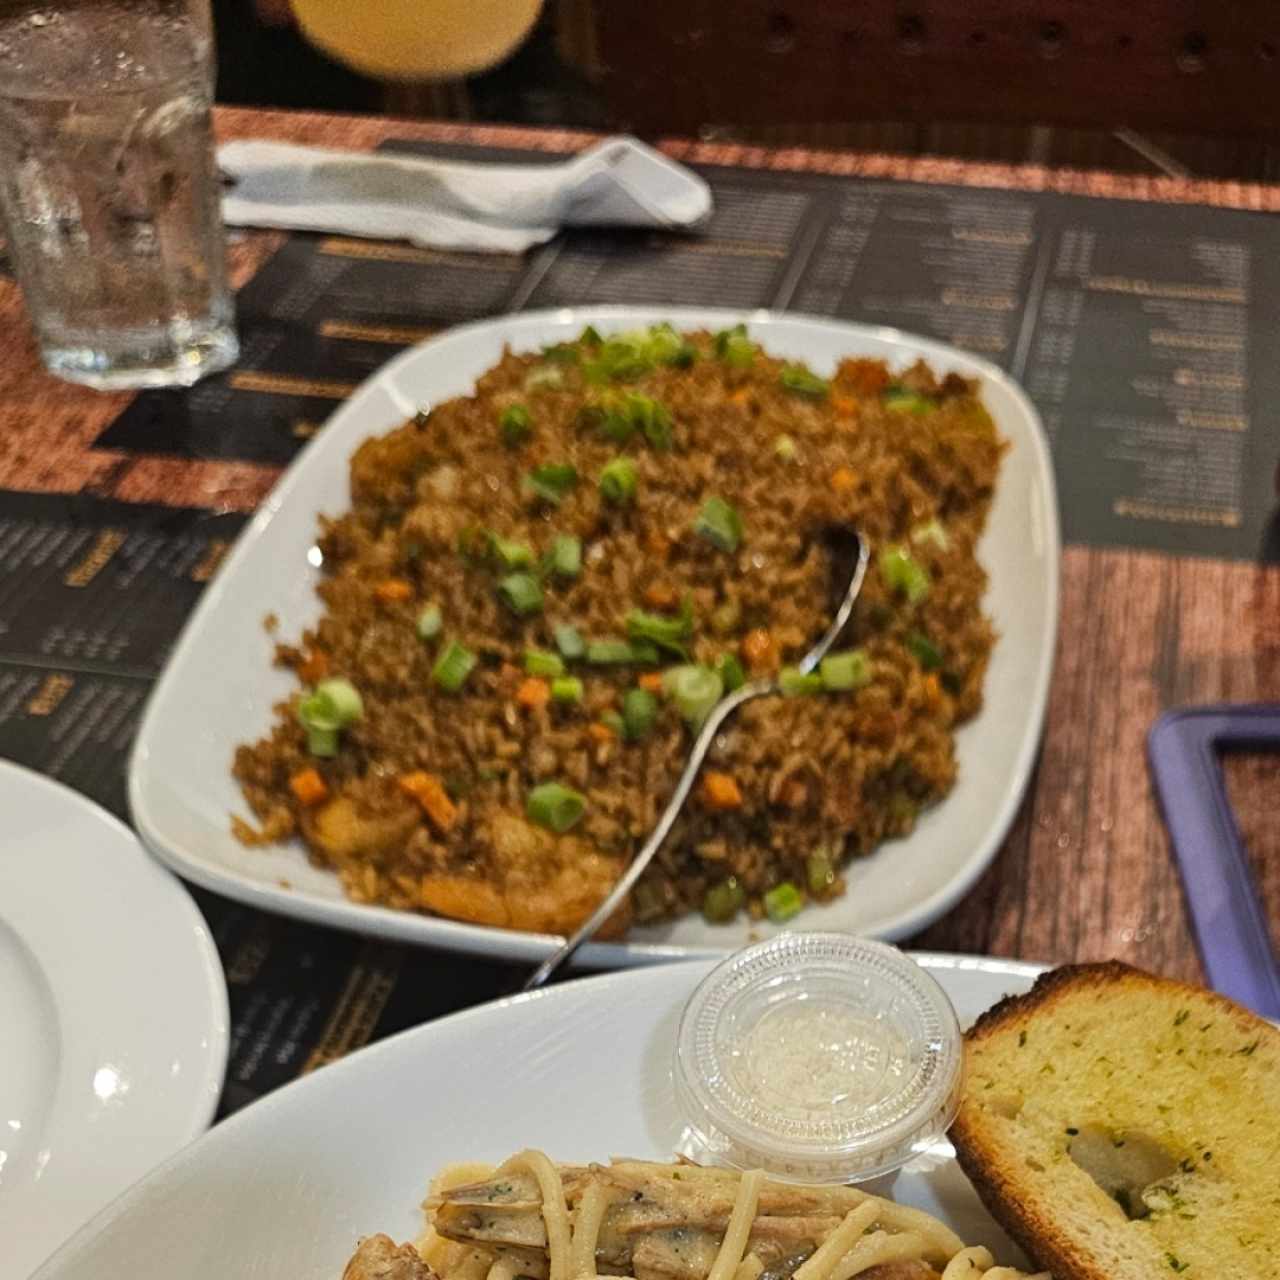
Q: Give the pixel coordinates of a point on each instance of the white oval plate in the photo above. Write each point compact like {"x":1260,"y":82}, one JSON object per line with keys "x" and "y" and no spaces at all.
{"x":289,"y":1185}
{"x":113,"y":1015}
{"x":220,"y":686}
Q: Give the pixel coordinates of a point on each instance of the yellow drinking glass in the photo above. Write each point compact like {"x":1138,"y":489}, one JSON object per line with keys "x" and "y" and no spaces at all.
{"x":416,"y":39}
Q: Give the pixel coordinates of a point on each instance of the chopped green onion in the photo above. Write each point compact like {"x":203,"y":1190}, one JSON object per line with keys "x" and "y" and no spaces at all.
{"x":612,"y":720}
{"x":618,"y":481}
{"x":668,"y":347}
{"x":802,"y":382}
{"x":618,"y":416}
{"x":566,"y":689}
{"x":730,"y":671}
{"x":569,"y":641}
{"x":516,"y":425}
{"x":694,"y":690}
{"x":429,"y":622}
{"x":562,"y":353}
{"x":565,"y":558}
{"x":666,"y":633}
{"x":785,"y":448}
{"x":453,"y":666}
{"x":652,"y":418}
{"x":847,"y":670}
{"x":734,"y":347}
{"x":723,"y":901}
{"x":333,"y":704}
{"x":639,"y":711}
{"x":511,"y":555}
{"x":539,"y":663}
{"x":623,"y":357}
{"x":322,"y":742}
{"x":609,"y":418}
{"x":794,"y":683}
{"x":644,"y":651}
{"x":521,"y":593}
{"x":555,"y":806}
{"x":683,"y":356}
{"x":900,"y":571}
{"x":720,"y":524}
{"x":900,"y":400}
{"x":782,"y":902}
{"x":931,"y":531}
{"x":546,"y":377}
{"x":590,"y":336}
{"x":609,"y":652}
{"x":663,"y":341}
{"x":343,"y":697}
{"x":819,"y":872}
{"x":551,"y":481}
{"x":926,"y":653}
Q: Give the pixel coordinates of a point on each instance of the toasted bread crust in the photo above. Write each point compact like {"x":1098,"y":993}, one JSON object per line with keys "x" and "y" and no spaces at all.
{"x":1033,"y":1232}
{"x":985,"y":1163}
{"x":1067,"y":979}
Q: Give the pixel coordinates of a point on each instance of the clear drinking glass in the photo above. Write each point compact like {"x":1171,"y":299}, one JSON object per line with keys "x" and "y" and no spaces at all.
{"x":109,"y":188}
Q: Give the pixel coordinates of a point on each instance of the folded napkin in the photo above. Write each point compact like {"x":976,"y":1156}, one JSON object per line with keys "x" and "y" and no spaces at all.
{"x":504,"y":208}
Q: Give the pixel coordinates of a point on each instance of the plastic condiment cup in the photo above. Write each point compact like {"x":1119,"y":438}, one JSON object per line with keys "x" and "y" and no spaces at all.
{"x":818,"y":1057}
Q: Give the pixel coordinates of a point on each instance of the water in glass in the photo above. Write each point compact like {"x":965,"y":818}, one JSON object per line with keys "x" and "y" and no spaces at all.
{"x":109,"y":188}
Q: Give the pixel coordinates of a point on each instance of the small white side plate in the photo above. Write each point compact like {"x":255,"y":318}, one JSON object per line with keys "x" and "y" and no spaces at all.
{"x":113,"y":1016}
{"x":288,"y":1186}
{"x":220,"y":686}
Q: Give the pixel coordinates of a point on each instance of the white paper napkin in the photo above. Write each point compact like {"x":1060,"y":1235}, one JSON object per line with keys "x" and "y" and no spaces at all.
{"x":502,"y":208}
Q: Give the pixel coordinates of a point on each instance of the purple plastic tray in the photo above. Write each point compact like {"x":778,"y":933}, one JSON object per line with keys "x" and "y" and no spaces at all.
{"x":1226,"y":911}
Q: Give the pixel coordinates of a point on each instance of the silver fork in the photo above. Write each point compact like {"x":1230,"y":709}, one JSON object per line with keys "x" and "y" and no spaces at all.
{"x":701,"y":745}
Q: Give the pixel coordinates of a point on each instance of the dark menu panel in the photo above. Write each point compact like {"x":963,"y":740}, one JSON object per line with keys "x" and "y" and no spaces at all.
{"x":93,"y":594}
{"x":946,"y":262}
{"x":302,"y":997}
{"x":92,"y":585}
{"x":73,"y":724}
{"x":1143,"y":332}
{"x":1154,"y":356}
{"x":742,"y":258}
{"x":322,"y":315}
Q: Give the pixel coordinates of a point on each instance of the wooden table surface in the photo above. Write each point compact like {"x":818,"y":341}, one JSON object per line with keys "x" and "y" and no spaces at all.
{"x":1086,"y":871}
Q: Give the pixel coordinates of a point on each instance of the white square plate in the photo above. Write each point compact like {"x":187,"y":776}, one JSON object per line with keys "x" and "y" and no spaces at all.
{"x":219,"y":686}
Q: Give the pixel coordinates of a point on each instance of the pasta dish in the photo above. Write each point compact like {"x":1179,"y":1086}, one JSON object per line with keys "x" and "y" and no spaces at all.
{"x":533,"y":1218}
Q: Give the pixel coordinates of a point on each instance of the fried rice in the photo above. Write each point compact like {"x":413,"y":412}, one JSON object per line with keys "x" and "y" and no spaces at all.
{"x":700,"y":484}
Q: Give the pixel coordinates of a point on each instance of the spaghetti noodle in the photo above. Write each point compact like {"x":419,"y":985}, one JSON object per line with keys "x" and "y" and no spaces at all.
{"x":647,"y":1221}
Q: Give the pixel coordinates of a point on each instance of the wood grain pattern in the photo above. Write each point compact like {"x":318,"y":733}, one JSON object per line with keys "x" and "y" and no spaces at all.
{"x":1253,"y":783}
{"x":1085,"y":872}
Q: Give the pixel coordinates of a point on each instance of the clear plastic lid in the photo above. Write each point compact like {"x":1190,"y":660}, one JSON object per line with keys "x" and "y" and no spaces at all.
{"x":818,"y":1057}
